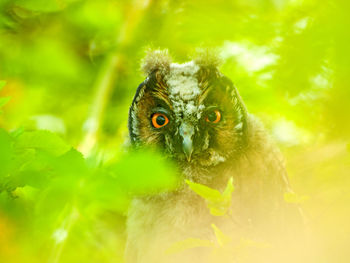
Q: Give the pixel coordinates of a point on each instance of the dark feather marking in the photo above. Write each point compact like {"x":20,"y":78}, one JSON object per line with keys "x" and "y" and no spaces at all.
{"x":204,"y":83}
{"x":204,"y":93}
{"x":161,"y":91}
{"x":139,"y":93}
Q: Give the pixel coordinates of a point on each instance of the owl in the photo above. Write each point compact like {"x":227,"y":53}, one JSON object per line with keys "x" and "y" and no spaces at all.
{"x":195,"y":116}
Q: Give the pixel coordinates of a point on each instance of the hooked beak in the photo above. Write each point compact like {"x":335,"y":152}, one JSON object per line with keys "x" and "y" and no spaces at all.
{"x":187,"y":131}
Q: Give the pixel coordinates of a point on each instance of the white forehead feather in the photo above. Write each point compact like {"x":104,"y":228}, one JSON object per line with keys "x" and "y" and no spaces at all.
{"x":182,"y":81}
{"x":183,"y":87}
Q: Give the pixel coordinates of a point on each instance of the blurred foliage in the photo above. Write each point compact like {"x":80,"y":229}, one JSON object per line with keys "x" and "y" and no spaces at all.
{"x":219,"y":204}
{"x":56,"y":197}
{"x":289,"y":59}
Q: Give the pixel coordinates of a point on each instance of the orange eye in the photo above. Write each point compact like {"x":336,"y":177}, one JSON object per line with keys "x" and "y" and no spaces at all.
{"x":214,"y":116}
{"x":159,"y":120}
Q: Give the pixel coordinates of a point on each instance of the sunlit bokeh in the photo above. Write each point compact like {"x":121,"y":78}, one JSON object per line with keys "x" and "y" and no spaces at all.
{"x":69,"y":70}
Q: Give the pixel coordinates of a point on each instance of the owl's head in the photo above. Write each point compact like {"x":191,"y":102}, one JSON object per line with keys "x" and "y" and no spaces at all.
{"x":190,"y":111}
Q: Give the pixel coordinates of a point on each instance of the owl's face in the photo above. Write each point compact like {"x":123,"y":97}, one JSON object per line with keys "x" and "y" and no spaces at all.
{"x":191,"y":112}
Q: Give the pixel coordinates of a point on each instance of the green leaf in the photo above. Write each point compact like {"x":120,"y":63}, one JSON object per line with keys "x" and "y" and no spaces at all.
{"x":6,"y":152}
{"x":41,"y":5}
{"x":220,"y":236}
{"x":206,"y":192}
{"x":188,"y":244}
{"x":217,"y":209}
{"x":218,"y":204}
{"x":26,"y":193}
{"x":227,"y":194}
{"x":5,"y":200}
{"x":293,"y":198}
{"x":42,"y":140}
{"x":151,"y":174}
{"x":71,"y":163}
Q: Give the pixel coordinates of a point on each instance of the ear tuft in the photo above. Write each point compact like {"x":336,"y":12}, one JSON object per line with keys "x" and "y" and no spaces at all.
{"x":207,"y":58}
{"x":156,"y":60}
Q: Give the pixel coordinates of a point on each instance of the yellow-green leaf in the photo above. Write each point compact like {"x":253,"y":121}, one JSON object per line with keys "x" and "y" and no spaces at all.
{"x":204,"y":191}
{"x":26,"y":193}
{"x":229,"y":189}
{"x":42,"y":140}
{"x":218,"y":204}
{"x":220,"y":236}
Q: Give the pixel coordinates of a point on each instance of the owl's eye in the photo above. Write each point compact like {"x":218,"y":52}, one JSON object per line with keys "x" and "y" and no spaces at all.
{"x":159,"y":120}
{"x":213,"y":116}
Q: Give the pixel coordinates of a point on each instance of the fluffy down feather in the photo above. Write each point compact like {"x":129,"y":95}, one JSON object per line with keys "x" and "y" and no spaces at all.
{"x":236,"y":147}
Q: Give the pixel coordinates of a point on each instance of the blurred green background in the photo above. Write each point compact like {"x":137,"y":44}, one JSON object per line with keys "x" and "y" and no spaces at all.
{"x":72,"y":66}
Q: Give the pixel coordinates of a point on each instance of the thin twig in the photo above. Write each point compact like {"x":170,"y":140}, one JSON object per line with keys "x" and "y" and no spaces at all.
{"x":108,"y":75}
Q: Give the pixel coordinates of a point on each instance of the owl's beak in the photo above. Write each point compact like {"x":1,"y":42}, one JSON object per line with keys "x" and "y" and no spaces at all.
{"x":187,"y":131}
{"x":187,"y":148}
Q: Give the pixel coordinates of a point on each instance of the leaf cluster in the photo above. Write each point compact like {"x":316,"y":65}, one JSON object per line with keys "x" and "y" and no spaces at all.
{"x":52,"y":194}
